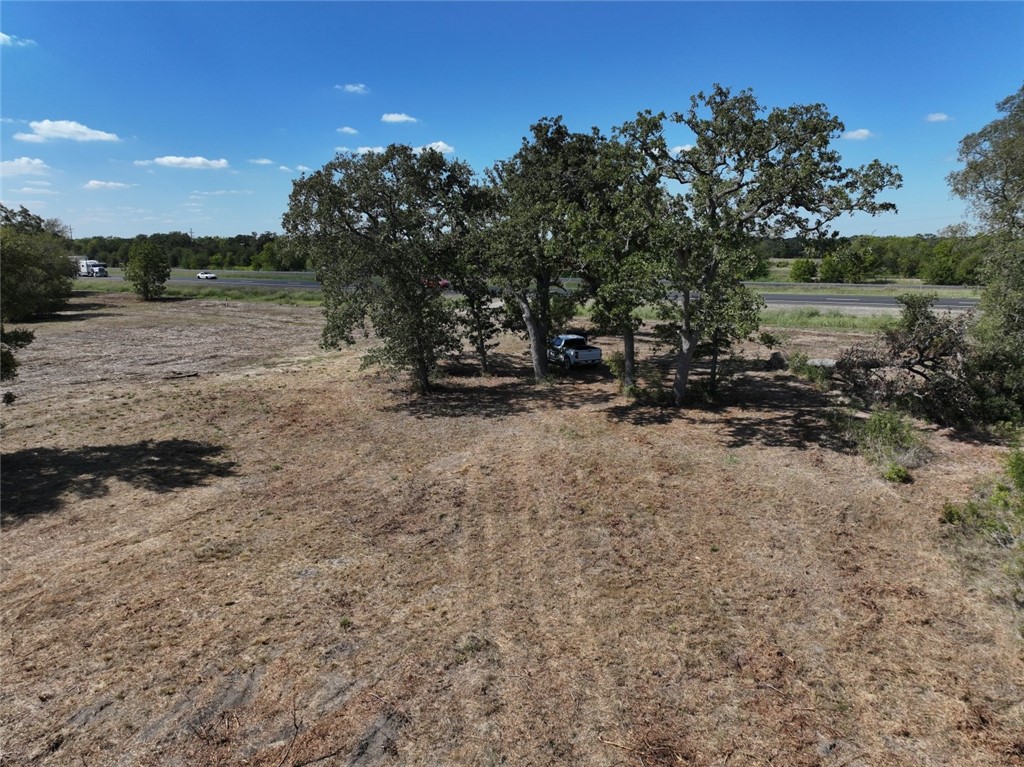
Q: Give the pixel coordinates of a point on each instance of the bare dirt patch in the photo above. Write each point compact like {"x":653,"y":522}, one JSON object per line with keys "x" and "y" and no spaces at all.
{"x":222,"y":545}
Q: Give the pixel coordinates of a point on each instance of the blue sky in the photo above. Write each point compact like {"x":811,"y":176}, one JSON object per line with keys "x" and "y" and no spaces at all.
{"x":140,"y":117}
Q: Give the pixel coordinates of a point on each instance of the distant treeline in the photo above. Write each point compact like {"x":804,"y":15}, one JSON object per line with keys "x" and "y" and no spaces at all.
{"x":947,"y":259}
{"x":265,"y":251}
{"x":935,"y":259}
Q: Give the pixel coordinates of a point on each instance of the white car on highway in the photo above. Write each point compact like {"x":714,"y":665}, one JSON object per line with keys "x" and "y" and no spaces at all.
{"x":206,"y":276}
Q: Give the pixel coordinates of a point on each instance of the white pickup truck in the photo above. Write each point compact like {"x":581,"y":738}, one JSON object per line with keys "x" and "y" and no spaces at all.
{"x":571,"y":350}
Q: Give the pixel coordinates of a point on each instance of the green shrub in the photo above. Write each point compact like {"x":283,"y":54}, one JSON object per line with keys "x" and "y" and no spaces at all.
{"x":997,"y":510}
{"x":888,"y":437}
{"x":803,"y":270}
{"x":147,"y":269}
{"x":818,"y":375}
{"x":616,"y":362}
{"x":896,"y":473}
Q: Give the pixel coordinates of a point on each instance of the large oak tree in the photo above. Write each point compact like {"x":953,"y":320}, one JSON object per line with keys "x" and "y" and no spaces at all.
{"x":529,"y":246}
{"x":380,"y":230}
{"x":747,"y":173}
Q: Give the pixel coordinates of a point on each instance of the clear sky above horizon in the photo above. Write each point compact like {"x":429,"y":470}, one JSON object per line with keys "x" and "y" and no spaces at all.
{"x":125,"y":118}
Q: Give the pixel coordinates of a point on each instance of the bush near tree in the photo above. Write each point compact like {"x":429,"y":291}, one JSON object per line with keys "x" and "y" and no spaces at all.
{"x":803,"y":270}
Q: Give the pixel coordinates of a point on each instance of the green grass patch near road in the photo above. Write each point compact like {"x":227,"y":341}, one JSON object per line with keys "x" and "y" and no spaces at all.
{"x":285,"y":297}
{"x":809,"y":318}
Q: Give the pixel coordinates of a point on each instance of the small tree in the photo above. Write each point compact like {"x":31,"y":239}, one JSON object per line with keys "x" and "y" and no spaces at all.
{"x":479,"y":317}
{"x":38,"y":272}
{"x":147,"y":269}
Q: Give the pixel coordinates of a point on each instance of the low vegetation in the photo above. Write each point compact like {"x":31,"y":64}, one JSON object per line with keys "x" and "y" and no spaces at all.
{"x":988,"y":530}
{"x":824,"y":319}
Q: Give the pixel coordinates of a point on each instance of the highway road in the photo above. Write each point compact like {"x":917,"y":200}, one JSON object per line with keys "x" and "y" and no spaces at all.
{"x":819,"y":300}
{"x":859,"y":302}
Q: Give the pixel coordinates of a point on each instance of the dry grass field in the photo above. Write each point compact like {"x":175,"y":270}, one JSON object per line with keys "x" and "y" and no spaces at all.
{"x":223,"y":545}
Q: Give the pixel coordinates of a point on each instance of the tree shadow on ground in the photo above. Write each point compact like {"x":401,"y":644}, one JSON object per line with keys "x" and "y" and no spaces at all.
{"x":75,"y":312}
{"x":782,"y":411}
{"x":33,"y":482}
{"x":766,"y":410}
{"x":501,"y":399}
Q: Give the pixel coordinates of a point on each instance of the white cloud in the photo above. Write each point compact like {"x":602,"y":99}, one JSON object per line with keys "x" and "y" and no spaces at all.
{"x":858,"y":135}
{"x":347,"y":130}
{"x":51,"y":130}
{"x":15,"y":42}
{"x":106,"y":185}
{"x":369,"y":149}
{"x":221,"y":192}
{"x":23,"y":166}
{"x":185,"y":162}
{"x":438,"y":146}
{"x":678,"y":149}
{"x":303,"y":168}
{"x":262,"y":161}
{"x":353,"y":88}
{"x":33,"y":190}
{"x":397,"y":117}
{"x":938,"y":117}
{"x":285,"y":168}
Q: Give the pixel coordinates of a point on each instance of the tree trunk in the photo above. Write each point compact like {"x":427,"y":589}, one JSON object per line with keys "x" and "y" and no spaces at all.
{"x":713,"y":380}
{"x":477,"y":312}
{"x":538,"y":338}
{"x":421,"y":376}
{"x":684,"y":362}
{"x":481,"y":352}
{"x":629,"y":357}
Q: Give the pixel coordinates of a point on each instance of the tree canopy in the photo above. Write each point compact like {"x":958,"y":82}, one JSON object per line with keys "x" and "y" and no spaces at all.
{"x":631,"y":221}
{"x":529,"y":246}
{"x":992,"y":181}
{"x":381,"y":230}
{"x":747,"y":174}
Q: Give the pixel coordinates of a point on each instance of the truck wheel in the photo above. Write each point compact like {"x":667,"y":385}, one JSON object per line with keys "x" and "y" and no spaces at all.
{"x":567,"y":361}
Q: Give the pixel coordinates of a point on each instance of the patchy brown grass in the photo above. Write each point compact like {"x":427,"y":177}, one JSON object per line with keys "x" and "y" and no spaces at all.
{"x":222,"y":545}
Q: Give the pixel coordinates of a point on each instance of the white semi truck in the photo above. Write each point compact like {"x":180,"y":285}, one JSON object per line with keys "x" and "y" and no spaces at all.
{"x":90,"y":268}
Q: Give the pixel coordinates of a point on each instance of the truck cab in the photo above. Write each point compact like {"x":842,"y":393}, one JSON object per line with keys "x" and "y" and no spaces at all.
{"x":90,"y":268}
